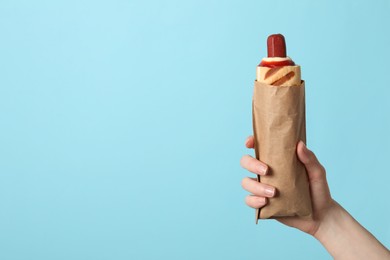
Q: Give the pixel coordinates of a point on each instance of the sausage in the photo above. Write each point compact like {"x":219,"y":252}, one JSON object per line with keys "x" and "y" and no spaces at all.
{"x":276,"y":46}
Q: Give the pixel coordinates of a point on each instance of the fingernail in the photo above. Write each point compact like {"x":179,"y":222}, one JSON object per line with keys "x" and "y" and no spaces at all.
{"x":270,"y":191}
{"x":262,"y":169}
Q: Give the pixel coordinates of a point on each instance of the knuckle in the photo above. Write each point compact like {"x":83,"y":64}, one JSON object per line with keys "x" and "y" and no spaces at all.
{"x":252,"y":164}
{"x":260,"y":189}
{"x":312,"y":157}
{"x":248,"y":200}
{"x":244,"y":182}
{"x":255,"y":201}
{"x":257,"y":186}
{"x":242,"y":161}
{"x":323,"y":170}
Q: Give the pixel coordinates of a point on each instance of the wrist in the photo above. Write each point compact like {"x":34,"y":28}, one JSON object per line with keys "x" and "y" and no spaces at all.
{"x":344,"y":238}
{"x":329,"y":224}
{"x":334,"y":231}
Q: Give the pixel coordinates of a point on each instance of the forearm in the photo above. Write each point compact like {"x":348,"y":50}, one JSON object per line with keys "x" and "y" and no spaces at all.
{"x":345,"y":238}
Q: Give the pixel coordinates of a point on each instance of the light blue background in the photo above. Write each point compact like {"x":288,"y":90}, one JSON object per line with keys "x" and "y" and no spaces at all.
{"x":122,"y":124}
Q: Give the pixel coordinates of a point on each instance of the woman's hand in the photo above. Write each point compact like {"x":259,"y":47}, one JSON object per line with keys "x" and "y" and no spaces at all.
{"x":322,"y":201}
{"x":332,"y":225}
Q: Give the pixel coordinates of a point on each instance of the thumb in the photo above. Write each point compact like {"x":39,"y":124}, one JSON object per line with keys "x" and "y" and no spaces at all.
{"x":315,"y":170}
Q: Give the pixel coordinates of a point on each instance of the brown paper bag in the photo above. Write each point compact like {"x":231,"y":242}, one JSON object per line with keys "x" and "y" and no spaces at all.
{"x":278,"y":125}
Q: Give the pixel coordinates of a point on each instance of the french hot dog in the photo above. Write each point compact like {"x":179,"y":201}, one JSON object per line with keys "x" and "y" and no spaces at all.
{"x":278,"y":69}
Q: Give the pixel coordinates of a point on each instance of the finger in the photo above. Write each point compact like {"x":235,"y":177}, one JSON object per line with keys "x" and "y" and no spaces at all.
{"x":255,"y":201}
{"x":258,"y":188}
{"x":315,"y":170}
{"x":253,"y":165}
{"x":319,"y":188}
{"x":250,"y":142}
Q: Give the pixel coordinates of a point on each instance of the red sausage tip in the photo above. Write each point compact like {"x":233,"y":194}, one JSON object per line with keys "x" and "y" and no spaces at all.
{"x":276,"y":46}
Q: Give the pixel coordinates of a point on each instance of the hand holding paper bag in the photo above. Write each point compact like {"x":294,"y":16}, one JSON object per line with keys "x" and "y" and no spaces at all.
{"x":331,"y":224}
{"x":319,"y":190}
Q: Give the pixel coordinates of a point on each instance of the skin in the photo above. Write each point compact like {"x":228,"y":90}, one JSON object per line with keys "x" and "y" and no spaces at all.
{"x":332,"y":225}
